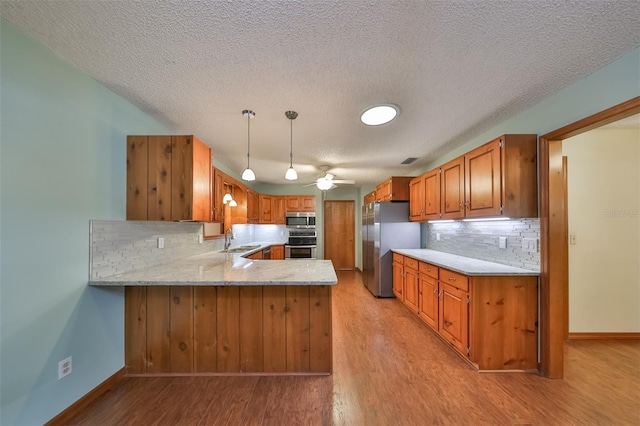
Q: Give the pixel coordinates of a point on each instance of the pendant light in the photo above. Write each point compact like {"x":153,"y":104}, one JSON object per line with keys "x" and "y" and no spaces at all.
{"x":291,"y":173}
{"x":227,"y":195}
{"x":248,"y":173}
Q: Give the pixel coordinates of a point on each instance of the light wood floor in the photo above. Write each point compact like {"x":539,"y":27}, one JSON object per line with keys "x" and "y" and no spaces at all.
{"x":389,"y":369}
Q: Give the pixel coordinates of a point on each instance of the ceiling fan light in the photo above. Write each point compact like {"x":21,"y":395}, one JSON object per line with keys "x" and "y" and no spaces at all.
{"x":248,"y":174}
{"x":291,"y":174}
{"x":379,"y":114}
{"x":324,"y":184}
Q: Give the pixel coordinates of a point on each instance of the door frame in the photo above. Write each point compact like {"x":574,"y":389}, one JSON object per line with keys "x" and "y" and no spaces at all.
{"x":553,"y":244}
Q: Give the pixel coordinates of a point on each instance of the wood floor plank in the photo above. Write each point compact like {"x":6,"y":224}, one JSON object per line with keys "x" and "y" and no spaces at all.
{"x":389,"y":369}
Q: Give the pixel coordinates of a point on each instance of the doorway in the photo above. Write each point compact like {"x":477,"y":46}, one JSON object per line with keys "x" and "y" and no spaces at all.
{"x":339,"y":231}
{"x":553,"y":241}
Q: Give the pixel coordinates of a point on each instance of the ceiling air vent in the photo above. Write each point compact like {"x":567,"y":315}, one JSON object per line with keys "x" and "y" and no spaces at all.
{"x":409,"y":160}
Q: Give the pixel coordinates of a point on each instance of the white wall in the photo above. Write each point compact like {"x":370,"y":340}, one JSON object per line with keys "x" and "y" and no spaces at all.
{"x":604,"y":204}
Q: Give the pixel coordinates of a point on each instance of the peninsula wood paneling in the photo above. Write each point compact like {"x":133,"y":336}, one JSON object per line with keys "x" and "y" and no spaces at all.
{"x":234,"y":329}
{"x":204,"y":329}
{"x":274,"y":328}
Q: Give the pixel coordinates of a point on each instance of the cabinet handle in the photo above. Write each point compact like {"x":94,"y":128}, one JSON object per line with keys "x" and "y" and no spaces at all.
{"x":440,"y":294}
{"x":452,"y":278}
{"x":435,"y":291}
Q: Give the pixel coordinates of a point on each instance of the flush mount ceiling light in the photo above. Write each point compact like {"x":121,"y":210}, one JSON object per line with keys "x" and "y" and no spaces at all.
{"x":248,"y":173}
{"x":379,"y":114}
{"x":291,"y":172}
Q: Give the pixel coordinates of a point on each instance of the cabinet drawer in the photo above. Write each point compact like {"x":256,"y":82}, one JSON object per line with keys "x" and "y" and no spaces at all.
{"x":428,"y":269}
{"x":398,"y":258}
{"x":411,"y":263}
{"x":454,"y":279}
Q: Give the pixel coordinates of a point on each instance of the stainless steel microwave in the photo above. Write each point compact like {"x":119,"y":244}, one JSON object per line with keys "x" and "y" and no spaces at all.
{"x":300,"y":220}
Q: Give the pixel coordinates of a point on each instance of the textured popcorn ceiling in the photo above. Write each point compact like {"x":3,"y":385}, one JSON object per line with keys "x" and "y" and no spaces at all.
{"x":454,"y":68}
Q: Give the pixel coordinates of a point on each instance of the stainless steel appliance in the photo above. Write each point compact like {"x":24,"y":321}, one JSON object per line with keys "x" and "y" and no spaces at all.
{"x":384,"y":226}
{"x":300,"y":220}
{"x":301,"y":244}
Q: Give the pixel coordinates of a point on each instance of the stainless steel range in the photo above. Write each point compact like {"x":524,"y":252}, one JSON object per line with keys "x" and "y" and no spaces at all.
{"x":301,"y":245}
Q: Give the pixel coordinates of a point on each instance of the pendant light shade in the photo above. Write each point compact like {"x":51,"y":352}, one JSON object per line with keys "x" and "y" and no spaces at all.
{"x":248,"y":173}
{"x":291,"y":173}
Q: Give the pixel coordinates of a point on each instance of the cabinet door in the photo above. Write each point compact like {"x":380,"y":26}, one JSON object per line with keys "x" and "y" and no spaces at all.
{"x":266,"y":209}
{"x":482,"y":180}
{"x":452,"y":189}
{"x":308,"y":203}
{"x":383,"y":191}
{"x":431,"y":195}
{"x":277,"y":252}
{"x":278,"y":210}
{"x":293,"y":203}
{"x":253,"y":206}
{"x":416,"y":199}
{"x":218,"y":193}
{"x":428,"y":300}
{"x":454,"y":317}
{"x":398,"y":280}
{"x":411,"y":288}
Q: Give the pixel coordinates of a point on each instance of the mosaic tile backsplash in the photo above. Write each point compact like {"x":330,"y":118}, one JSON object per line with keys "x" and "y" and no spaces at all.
{"x":122,"y":246}
{"x":480,"y":240}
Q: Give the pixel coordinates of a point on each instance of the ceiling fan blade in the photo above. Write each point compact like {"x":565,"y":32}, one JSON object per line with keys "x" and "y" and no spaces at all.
{"x":344,"y":181}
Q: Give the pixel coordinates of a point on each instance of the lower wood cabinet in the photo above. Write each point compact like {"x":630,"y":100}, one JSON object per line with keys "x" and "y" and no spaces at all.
{"x":411,"y":283}
{"x":490,"y":320}
{"x":277,"y":252}
{"x":231,"y":329}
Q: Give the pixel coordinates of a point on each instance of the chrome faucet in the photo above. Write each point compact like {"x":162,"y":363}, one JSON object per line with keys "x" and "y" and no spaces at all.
{"x":228,"y":236}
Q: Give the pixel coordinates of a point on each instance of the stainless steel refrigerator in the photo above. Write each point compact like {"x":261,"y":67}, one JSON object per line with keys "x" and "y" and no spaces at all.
{"x":385,"y":226}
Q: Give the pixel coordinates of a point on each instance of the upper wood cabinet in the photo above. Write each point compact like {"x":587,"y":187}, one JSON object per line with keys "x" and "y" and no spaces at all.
{"x":501,"y":178}
{"x":300,"y":203}
{"x":168,"y":178}
{"x":278,"y":205}
{"x":370,"y":197}
{"x":395,"y":188}
{"x":253,"y":206}
{"x":452,"y":189}
{"x":266,"y":209}
{"x":424,"y":196}
{"x":219,"y":189}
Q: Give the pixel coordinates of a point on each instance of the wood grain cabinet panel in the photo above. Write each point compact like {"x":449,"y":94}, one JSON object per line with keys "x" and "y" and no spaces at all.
{"x":277,"y":252}
{"x":452,"y":189}
{"x":232,"y":329}
{"x":395,"y":188}
{"x":411,"y":283}
{"x":398,"y":276}
{"x":168,"y":178}
{"x":424,"y":196}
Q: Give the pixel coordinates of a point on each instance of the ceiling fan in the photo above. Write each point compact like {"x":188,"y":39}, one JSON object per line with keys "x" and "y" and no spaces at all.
{"x":326,"y":182}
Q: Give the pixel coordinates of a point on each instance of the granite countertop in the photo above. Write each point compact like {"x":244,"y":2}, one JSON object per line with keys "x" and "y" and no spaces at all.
{"x":228,"y":269}
{"x":464,"y":265}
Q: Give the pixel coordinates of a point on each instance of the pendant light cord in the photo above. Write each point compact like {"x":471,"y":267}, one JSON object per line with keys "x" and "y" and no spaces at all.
{"x":248,"y":136}
{"x":291,"y":149}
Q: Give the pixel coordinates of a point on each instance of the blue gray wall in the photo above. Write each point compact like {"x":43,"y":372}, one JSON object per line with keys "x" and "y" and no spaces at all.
{"x":63,"y":155}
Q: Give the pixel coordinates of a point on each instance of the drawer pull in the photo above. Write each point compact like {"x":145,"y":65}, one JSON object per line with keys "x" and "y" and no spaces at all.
{"x":435,"y":291}
{"x":452,"y":278}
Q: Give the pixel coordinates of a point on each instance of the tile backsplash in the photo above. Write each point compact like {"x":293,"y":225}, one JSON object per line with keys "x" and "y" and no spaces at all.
{"x":122,"y":246}
{"x":479,"y":240}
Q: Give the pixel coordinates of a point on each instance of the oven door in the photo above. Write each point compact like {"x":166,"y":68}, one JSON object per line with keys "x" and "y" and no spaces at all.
{"x":300,"y":252}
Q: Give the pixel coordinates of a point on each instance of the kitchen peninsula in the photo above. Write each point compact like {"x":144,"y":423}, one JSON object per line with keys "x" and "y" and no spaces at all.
{"x":221,"y":313}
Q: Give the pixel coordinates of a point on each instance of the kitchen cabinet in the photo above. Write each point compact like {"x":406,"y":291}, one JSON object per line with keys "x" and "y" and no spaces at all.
{"x":255,"y":256}
{"x":411,"y":283}
{"x":277,"y":252}
{"x":168,"y":178}
{"x":424,"y":196}
{"x":398,"y":276}
{"x":452,"y":189}
{"x":300,"y":203}
{"x":501,"y":178}
{"x":278,"y":204}
{"x":266,"y":209}
{"x":370,"y":197}
{"x":253,"y":206}
{"x":395,"y":188}
{"x":428,"y":299}
{"x":219,"y":189}
{"x":490,"y":320}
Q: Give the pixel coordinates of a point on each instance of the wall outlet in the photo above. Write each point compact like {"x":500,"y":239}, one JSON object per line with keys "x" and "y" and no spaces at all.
{"x":160,"y":242}
{"x":502,"y":242}
{"x":437,"y":236}
{"x":530,"y":245}
{"x":572,"y":239}
{"x":64,"y":368}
